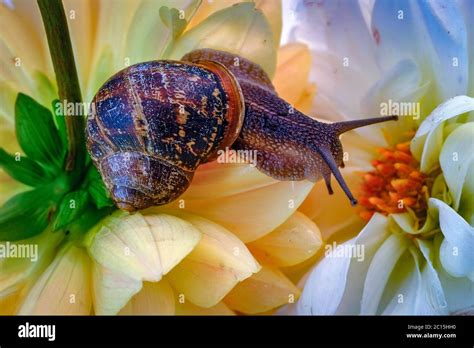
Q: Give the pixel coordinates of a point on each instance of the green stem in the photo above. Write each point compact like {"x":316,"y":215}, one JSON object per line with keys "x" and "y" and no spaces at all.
{"x":60,"y":48}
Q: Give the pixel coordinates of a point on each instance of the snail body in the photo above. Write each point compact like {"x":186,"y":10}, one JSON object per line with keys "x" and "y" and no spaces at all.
{"x":154,"y":123}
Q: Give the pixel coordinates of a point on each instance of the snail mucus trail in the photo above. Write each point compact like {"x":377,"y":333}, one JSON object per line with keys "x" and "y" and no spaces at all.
{"x":154,"y":123}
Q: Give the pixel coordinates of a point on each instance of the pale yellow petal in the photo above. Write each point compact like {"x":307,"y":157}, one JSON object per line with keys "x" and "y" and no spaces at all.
{"x":252,"y":214}
{"x":111,"y":290}
{"x":153,"y":299}
{"x":306,"y":101}
{"x":214,"y":267}
{"x":129,"y":32}
{"x":143,"y":248}
{"x":240,"y":29}
{"x":175,"y":238}
{"x":7,"y":110}
{"x":215,"y":180}
{"x":206,"y":8}
{"x":30,"y":14}
{"x":273,"y":13}
{"x":271,"y":9}
{"x":64,"y":288}
{"x":262,"y":292}
{"x":82,"y":21}
{"x":293,"y":67}
{"x":20,"y":57}
{"x":108,"y":57}
{"x":294,"y":241}
{"x":9,"y":303}
{"x":143,"y":43}
{"x":333,"y":213}
{"x":187,"y":308}
{"x":9,"y":187}
{"x":22,"y":61}
{"x":17,"y":272}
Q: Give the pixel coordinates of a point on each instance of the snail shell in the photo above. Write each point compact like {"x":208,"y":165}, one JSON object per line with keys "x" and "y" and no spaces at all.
{"x":153,"y":123}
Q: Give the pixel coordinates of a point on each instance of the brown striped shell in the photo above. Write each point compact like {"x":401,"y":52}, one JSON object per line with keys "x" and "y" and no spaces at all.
{"x":153,"y":123}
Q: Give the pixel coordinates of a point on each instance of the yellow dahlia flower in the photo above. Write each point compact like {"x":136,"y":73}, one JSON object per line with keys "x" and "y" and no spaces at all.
{"x":226,"y":245}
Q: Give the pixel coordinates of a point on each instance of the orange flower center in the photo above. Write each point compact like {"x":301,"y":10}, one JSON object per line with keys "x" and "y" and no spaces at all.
{"x":395,"y":185}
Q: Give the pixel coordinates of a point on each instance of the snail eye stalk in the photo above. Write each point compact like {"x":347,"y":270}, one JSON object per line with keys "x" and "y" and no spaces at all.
{"x":345,"y":126}
{"x":327,"y":157}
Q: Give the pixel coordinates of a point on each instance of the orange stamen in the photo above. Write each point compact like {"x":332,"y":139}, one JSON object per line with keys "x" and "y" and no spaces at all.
{"x":394,"y":185}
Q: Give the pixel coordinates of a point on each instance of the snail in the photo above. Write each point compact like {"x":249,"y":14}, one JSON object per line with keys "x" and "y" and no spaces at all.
{"x":153,"y":123}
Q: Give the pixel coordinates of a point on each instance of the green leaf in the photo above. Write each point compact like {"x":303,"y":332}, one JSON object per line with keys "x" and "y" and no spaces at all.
{"x":28,"y":213}
{"x":71,"y":207}
{"x":37,"y":134}
{"x":22,"y":169}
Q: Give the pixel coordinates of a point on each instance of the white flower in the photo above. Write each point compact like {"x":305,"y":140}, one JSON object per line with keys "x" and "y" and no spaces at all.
{"x":418,"y":258}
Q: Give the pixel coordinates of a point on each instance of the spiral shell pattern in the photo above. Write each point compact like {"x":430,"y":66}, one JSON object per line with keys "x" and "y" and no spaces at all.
{"x":153,"y":123}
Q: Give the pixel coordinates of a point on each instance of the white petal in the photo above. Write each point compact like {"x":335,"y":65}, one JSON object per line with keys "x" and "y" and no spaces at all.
{"x":449,"y":109}
{"x":447,"y":32}
{"x":335,"y":284}
{"x":428,"y":140}
{"x":459,"y":292}
{"x":393,"y":26}
{"x":457,"y":249}
{"x":431,"y":32}
{"x":379,"y":271}
{"x":467,"y":9}
{"x":457,"y":163}
{"x":324,"y":287}
{"x":342,"y":47}
{"x":414,"y":287}
{"x":371,"y":238}
{"x":402,"y":83}
{"x":434,"y":292}
{"x":401,"y":295}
